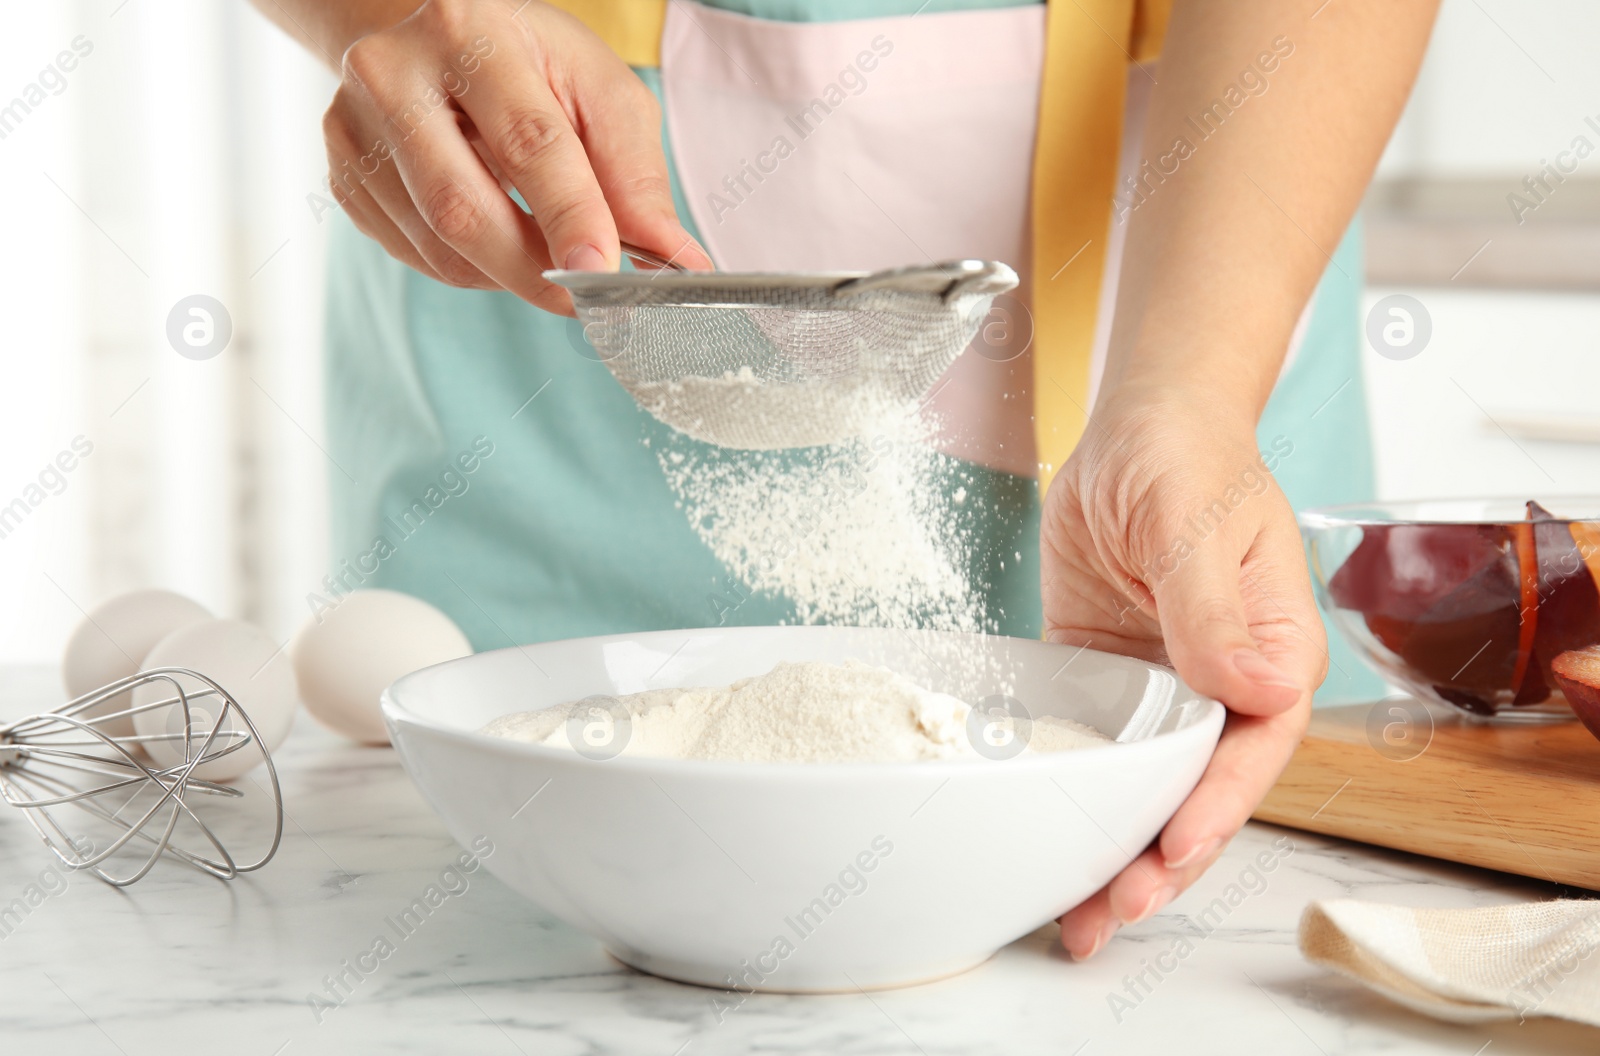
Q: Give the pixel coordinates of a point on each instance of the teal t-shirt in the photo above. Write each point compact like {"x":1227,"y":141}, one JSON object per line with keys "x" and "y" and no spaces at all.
{"x":488,"y":462}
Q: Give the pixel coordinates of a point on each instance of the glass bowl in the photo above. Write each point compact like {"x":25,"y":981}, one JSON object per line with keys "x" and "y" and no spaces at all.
{"x":1466,"y":602}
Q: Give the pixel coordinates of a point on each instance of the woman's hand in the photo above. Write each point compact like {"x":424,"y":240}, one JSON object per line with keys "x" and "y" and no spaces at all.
{"x":439,"y":114}
{"x":1164,"y":537}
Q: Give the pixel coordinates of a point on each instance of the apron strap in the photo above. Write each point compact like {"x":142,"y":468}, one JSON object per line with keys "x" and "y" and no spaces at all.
{"x":631,"y":28}
{"x":1075,"y":158}
{"x":1150,"y":18}
{"x":1087,"y":52}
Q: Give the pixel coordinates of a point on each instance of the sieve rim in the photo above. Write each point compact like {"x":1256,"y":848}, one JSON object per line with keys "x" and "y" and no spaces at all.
{"x":942,"y":279}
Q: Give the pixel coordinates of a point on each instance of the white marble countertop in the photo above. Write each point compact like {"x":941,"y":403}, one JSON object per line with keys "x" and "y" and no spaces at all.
{"x":181,"y":962}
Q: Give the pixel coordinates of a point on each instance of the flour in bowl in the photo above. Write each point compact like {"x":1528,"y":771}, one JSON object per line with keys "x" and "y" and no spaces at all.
{"x":809,"y":712}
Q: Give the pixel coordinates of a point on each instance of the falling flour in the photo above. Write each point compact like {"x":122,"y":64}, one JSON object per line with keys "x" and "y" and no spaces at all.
{"x":858,"y":533}
{"x":809,"y":712}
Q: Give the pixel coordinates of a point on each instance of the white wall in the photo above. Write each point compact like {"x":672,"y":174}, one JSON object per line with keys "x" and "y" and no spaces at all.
{"x":1504,"y":86}
{"x":172,"y":159}
{"x":42,"y":406}
{"x":1438,"y":418}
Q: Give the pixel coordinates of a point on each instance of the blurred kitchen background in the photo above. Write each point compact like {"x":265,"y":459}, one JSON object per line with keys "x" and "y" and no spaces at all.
{"x":179,"y":153}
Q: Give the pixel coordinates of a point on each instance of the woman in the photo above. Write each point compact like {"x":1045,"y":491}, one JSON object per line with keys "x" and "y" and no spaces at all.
{"x":1217,"y":183}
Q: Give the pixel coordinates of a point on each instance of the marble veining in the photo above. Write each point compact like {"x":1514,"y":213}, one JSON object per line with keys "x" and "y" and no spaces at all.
{"x":184,"y":963}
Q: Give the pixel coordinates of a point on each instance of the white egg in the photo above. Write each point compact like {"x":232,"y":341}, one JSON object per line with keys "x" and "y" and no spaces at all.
{"x":346,"y":657}
{"x":112,"y":641}
{"x":243,"y":660}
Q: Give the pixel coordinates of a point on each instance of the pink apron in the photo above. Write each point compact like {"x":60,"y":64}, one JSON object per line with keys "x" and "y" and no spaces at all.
{"x":874,"y":143}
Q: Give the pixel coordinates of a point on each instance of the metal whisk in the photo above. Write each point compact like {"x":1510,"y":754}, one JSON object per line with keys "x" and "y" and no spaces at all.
{"x":63,"y":757}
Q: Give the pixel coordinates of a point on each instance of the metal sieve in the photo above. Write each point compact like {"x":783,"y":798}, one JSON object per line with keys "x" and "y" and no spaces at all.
{"x":764,"y":360}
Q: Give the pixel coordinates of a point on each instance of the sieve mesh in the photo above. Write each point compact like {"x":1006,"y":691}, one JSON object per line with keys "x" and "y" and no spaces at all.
{"x":777,"y":360}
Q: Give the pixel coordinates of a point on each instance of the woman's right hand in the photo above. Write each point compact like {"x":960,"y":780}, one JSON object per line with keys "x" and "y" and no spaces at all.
{"x":437,"y":115}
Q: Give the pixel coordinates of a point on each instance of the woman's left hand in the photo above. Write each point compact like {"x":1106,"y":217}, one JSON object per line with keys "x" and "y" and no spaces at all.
{"x":1165,"y":537}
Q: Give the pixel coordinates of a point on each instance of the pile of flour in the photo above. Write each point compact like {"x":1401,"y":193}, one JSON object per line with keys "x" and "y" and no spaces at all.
{"x":808,"y":712}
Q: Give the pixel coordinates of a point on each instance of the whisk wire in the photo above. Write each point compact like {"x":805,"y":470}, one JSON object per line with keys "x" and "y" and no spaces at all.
{"x":40,"y":759}
{"x":86,"y":800}
{"x":225,"y":869}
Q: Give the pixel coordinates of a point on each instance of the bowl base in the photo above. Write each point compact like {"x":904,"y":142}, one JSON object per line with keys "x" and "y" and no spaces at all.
{"x":840,"y":982}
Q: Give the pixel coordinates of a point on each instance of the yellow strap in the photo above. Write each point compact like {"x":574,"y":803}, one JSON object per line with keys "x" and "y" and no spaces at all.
{"x":1089,"y":44}
{"x":1150,"y":19}
{"x":632,"y":28}
{"x":1074,"y":174}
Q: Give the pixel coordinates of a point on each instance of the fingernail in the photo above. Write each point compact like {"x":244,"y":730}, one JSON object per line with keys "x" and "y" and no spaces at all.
{"x":1198,"y":853}
{"x":1260,"y":670}
{"x":690,"y":243}
{"x":1158,"y":900}
{"x":1108,"y":929}
{"x":587,"y":258}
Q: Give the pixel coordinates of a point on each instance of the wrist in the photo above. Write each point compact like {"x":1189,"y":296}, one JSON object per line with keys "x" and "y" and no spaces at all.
{"x":1222,"y":403}
{"x":1227,"y":366}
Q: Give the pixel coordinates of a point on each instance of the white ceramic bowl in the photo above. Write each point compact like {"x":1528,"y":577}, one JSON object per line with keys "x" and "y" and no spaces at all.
{"x":803,"y":877}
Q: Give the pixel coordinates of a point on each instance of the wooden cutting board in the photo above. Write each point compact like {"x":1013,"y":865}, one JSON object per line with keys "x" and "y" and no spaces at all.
{"x":1523,"y":799}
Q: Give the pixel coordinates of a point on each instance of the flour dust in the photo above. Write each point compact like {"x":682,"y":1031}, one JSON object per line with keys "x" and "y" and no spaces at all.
{"x":859,"y":533}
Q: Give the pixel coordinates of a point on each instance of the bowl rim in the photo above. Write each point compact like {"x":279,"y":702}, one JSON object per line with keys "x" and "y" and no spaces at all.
{"x":1207,"y":727}
{"x":1344,"y":514}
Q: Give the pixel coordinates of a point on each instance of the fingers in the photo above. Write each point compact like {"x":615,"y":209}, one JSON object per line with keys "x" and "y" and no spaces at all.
{"x":461,"y":203}
{"x":1251,"y":754}
{"x":1137,"y":893}
{"x":1208,"y":634}
{"x":1085,"y":603}
{"x":622,"y":134}
{"x":439,"y":118}
{"x":1248,"y":759}
{"x":1284,"y":612}
{"x":535,"y":145}
{"x":420,"y":170}
{"x":388,"y":190}
{"x":371,"y":221}
{"x":1088,"y":926}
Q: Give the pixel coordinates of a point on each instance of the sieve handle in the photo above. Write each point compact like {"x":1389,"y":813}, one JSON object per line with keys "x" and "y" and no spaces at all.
{"x":948,"y":279}
{"x":654,"y":260}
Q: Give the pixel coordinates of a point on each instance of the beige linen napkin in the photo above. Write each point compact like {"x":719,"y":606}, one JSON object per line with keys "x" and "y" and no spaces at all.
{"x":1468,"y":965}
